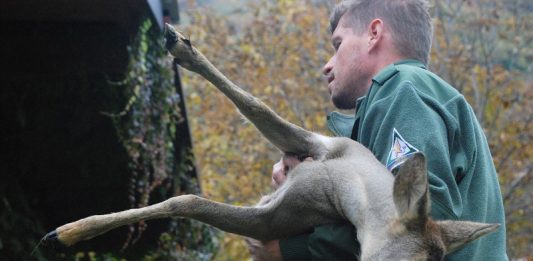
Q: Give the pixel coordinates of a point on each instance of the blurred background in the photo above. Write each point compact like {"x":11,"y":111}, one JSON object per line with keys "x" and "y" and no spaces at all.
{"x":96,"y":118}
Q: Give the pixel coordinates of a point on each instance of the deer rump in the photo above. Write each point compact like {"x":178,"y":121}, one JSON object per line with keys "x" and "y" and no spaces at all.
{"x":344,"y":182}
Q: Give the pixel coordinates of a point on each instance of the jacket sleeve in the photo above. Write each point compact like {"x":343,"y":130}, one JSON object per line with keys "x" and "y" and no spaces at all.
{"x":423,"y":123}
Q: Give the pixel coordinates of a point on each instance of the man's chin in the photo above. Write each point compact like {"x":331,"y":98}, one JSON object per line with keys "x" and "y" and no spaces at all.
{"x":343,"y":103}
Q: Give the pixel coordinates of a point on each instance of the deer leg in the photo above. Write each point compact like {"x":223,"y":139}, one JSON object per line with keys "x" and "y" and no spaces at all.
{"x":226,"y":217}
{"x":254,"y":222}
{"x":286,"y":136}
{"x":303,"y":201}
{"x":248,"y":221}
{"x":93,"y":226}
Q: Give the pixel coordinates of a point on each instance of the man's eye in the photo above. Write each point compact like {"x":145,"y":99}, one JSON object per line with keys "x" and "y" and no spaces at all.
{"x":336,"y":45}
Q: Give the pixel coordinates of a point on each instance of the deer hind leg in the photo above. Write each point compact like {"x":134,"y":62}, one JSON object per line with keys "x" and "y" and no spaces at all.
{"x":298,"y":205}
{"x":286,"y":136}
{"x":252,"y":222}
{"x":305,"y":194}
{"x":249,"y":221}
{"x":303,"y":201}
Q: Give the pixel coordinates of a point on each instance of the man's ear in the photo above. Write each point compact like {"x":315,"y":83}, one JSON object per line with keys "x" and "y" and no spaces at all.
{"x":455,"y":234}
{"x":375,"y":33}
{"x":411,"y":192}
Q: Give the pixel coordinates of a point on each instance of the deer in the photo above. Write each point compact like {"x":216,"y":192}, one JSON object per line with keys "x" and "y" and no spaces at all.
{"x":343,"y":182}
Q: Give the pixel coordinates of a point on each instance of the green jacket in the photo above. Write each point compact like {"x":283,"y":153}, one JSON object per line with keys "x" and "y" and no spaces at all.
{"x":409,"y":109}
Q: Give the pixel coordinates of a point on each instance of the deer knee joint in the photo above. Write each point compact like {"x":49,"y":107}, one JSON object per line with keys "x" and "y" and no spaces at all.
{"x":178,"y":206}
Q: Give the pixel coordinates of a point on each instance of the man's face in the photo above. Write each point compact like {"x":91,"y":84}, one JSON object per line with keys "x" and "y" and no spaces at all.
{"x":348,"y":70}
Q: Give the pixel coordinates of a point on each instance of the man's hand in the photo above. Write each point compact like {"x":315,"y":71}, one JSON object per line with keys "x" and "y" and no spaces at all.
{"x":280,"y":169}
{"x":270,"y":250}
{"x":264,"y":251}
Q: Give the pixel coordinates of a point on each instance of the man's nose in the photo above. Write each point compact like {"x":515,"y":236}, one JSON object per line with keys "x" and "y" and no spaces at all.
{"x":328,"y":67}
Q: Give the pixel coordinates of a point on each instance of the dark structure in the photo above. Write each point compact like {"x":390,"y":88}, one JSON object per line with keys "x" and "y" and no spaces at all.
{"x":61,"y":157}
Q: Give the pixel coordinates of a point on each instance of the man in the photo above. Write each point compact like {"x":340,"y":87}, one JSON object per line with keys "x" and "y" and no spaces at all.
{"x":379,"y":68}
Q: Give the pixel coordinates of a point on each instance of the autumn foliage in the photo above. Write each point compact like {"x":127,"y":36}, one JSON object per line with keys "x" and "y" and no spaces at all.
{"x":275,"y":50}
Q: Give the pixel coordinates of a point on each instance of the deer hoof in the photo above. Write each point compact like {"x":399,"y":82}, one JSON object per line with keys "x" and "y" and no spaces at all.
{"x":50,"y":238}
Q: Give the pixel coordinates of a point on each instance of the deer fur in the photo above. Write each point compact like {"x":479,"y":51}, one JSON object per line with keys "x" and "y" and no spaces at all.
{"x":343,"y":182}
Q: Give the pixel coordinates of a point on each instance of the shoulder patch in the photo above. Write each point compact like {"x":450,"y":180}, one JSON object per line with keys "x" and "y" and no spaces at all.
{"x":400,"y":150}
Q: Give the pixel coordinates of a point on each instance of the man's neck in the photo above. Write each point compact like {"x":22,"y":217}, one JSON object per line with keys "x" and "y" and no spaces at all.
{"x":385,"y":61}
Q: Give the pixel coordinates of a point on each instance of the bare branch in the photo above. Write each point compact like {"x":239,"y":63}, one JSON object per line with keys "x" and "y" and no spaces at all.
{"x":517,"y":182}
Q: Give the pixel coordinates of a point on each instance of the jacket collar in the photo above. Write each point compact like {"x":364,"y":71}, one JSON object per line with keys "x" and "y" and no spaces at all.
{"x":342,"y":124}
{"x":386,"y":73}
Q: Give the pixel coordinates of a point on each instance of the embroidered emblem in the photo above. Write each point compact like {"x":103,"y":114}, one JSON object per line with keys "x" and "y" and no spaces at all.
{"x":400,"y":150}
